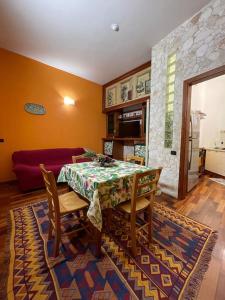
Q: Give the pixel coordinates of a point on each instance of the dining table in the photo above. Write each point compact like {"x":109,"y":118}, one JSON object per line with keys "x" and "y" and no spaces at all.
{"x":103,"y":186}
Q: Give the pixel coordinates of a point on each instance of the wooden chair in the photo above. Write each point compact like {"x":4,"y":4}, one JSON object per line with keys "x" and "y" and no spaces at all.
{"x":81,"y":158}
{"x":59,"y":207}
{"x":135,"y":159}
{"x":143,"y":196}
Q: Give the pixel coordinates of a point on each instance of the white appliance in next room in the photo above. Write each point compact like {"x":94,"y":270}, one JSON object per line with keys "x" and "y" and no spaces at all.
{"x":193,"y":155}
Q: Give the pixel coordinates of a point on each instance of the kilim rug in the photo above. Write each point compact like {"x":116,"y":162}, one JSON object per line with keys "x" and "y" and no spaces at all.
{"x":171,"y":268}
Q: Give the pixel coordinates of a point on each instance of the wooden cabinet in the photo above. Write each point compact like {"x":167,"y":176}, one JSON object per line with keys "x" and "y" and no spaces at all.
{"x":124,"y":101}
{"x":110,"y":124}
{"x":127,"y":89}
{"x":215,"y":161}
{"x":136,"y":113}
{"x":114,"y":143}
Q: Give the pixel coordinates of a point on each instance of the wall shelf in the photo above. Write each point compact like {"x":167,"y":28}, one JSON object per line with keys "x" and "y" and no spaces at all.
{"x":130,"y":118}
{"x":131,"y":139}
{"x":126,"y":104}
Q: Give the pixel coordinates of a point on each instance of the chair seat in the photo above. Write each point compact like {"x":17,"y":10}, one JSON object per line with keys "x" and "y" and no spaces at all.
{"x":70,"y":202}
{"x":141,"y":204}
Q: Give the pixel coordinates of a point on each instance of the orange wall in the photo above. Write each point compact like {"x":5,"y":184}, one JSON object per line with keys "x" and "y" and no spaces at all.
{"x":25,"y":80}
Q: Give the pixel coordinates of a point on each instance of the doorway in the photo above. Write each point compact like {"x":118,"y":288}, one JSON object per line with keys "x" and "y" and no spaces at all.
{"x":186,"y":134}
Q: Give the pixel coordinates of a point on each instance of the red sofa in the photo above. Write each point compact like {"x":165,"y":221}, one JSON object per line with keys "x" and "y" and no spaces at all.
{"x":26,"y":164}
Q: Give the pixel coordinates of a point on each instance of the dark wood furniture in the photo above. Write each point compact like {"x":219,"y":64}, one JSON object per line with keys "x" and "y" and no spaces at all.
{"x":118,"y":109}
{"x":113,"y":119}
{"x":119,"y":101}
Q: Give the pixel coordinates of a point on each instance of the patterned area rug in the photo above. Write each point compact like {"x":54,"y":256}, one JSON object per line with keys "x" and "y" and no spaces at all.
{"x":171,"y":268}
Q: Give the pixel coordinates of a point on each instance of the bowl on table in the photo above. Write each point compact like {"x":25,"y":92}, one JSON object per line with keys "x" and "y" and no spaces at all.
{"x":104,"y":161}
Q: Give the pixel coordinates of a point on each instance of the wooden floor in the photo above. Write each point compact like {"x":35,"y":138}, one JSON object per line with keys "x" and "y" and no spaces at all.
{"x":206,"y":204}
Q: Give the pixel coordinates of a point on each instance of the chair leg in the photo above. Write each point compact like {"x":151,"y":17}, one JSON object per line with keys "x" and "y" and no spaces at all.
{"x":98,"y":242}
{"x":78,"y":214}
{"x":57,"y":242}
{"x":50,"y":230}
{"x":150,"y":208}
{"x":109,"y":218}
{"x":133,"y":236}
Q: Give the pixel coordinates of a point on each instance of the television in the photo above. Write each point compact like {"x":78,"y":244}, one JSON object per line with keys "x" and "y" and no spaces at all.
{"x":130,"y":128}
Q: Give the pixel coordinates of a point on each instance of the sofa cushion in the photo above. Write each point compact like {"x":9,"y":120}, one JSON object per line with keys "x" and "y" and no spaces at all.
{"x":26,"y":164}
{"x":29,"y":177}
{"x":46,"y":156}
{"x":33,"y":170}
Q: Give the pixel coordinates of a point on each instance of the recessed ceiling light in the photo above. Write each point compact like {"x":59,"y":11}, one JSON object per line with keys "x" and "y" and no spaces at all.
{"x":115,"y":27}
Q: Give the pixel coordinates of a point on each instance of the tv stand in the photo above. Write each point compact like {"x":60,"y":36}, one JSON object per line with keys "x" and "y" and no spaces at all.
{"x":117,"y":146}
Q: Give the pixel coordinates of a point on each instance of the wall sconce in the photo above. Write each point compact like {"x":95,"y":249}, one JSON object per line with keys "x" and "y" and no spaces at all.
{"x":69,"y":101}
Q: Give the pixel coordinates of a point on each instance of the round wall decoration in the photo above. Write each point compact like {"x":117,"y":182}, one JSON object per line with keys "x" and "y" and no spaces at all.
{"x":35,"y":109}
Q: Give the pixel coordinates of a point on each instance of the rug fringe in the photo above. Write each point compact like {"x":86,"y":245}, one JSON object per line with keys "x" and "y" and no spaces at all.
{"x":6,"y":261}
{"x":192,"y":288}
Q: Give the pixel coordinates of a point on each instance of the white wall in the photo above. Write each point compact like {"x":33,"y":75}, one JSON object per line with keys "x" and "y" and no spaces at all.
{"x":209,"y":97}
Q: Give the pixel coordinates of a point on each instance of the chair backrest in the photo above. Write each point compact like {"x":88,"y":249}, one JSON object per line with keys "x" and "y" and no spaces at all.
{"x":144,"y":185}
{"x":53,"y":198}
{"x":135,"y":159}
{"x":80,"y":159}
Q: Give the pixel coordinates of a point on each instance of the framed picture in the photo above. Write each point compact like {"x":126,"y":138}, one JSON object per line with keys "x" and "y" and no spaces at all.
{"x":108,"y":148}
{"x":140,"y":150}
{"x":147,"y":86}
{"x":130,"y":94}
{"x":125,"y":89}
{"x":140,"y":84}
{"x":111,"y":96}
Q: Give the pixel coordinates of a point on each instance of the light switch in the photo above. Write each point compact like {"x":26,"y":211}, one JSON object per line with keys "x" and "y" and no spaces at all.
{"x":173,"y":152}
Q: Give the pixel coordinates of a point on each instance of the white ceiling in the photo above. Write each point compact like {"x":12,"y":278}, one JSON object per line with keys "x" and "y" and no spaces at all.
{"x":75,"y":35}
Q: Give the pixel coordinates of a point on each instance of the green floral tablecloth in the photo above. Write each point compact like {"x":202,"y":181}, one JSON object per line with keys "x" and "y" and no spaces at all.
{"x":103,"y":187}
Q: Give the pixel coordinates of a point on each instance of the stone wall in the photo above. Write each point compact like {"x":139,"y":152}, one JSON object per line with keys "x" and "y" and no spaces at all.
{"x":200,"y":46}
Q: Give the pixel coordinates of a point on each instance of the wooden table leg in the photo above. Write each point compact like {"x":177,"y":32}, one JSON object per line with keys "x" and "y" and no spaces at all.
{"x":98,"y":235}
{"x":96,"y":238}
{"x":70,"y":189}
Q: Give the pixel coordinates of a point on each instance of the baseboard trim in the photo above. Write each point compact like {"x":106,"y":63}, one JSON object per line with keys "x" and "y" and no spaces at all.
{"x":212,"y":174}
{"x":13,"y":181}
